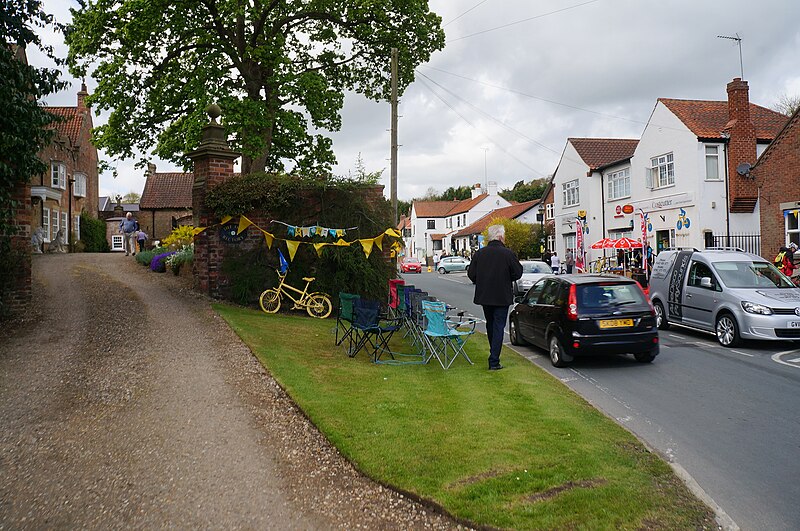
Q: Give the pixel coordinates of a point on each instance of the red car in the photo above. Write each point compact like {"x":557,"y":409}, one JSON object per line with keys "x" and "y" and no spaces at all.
{"x":410,"y":265}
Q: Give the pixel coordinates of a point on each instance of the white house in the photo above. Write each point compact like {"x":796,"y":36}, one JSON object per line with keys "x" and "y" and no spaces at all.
{"x":433,"y":223}
{"x":527,"y":212}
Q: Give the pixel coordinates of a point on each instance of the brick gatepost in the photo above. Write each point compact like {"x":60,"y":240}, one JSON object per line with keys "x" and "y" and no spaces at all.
{"x":17,"y":297}
{"x":213,"y":165}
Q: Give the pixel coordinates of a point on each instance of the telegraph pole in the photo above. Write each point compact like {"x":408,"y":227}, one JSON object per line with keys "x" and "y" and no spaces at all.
{"x":394,"y":137}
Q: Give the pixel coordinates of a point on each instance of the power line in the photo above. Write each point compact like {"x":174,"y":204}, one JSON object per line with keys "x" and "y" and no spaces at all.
{"x":487,"y":137}
{"x":465,"y":12}
{"x":523,"y":20}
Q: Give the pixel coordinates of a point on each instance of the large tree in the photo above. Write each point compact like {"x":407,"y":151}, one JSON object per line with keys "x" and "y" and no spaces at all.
{"x":23,"y":121}
{"x":278,"y":69}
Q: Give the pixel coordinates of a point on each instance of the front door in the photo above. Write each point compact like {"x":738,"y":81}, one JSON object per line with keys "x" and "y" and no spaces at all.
{"x":662,"y":240}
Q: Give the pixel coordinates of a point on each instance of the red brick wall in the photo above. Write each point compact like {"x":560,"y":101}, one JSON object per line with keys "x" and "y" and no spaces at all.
{"x":777,"y":177}
{"x":17,"y":297}
{"x":742,"y":143}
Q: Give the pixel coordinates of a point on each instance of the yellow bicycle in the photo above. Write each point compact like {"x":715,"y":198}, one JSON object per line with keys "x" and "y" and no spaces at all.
{"x":316,"y":304}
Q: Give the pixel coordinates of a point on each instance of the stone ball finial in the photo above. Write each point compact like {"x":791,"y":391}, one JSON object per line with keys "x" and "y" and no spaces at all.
{"x":213,"y":111}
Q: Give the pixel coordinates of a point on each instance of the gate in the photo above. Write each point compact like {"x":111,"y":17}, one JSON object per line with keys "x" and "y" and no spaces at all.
{"x":750,"y":243}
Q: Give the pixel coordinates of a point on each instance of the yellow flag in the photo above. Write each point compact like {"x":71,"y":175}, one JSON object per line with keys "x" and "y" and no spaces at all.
{"x":292,"y":245}
{"x":367,"y":245}
{"x":379,"y":241}
{"x":392,"y":232}
{"x":319,"y":246}
{"x":269,"y":238}
{"x":243,"y":224}
{"x":225,"y":219}
{"x":198,"y":230}
{"x":342,"y":243}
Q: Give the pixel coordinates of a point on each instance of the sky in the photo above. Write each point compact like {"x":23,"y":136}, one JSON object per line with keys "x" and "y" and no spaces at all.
{"x":517,"y":78}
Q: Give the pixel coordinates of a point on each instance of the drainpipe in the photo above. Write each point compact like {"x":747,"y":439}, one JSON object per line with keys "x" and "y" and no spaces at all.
{"x":603,"y":206}
{"x":727,"y":200}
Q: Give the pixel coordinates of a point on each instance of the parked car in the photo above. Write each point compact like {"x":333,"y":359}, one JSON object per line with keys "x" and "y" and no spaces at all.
{"x":448,"y":264}
{"x":734,"y":294}
{"x":410,"y":265}
{"x":532,"y":270}
{"x":586,"y":315}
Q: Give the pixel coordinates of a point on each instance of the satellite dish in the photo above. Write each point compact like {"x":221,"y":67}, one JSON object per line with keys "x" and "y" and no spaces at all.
{"x":743,"y":169}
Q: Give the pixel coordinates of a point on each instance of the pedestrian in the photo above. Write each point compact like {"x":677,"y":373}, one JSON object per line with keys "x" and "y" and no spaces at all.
{"x":493,"y":270}
{"x":569,"y":261}
{"x":128,"y":228}
{"x":546,"y":256}
{"x":141,"y":237}
{"x":555,"y":263}
{"x":785,"y":259}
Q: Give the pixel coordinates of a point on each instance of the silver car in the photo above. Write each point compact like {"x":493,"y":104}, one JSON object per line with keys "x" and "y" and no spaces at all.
{"x":532,"y":271}
{"x":734,"y":294}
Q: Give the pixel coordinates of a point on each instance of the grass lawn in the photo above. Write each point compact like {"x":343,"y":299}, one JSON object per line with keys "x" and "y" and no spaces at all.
{"x":507,"y":449}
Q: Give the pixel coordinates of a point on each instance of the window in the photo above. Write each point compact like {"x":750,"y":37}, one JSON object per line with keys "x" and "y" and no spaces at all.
{"x":431,"y":223}
{"x":76,"y":228}
{"x":712,"y":163}
{"x":662,"y":171}
{"x":550,"y":210}
{"x":619,"y":184}
{"x":699,"y":271}
{"x":79,"y":186}
{"x":58,"y":175}
{"x":65,"y":225}
{"x":46,"y":223}
{"x":54,"y":223}
{"x":792,"y":227}
{"x":571,"y":196}
{"x":551,"y":242}
{"x":569,"y":241}
{"x":116,"y":242}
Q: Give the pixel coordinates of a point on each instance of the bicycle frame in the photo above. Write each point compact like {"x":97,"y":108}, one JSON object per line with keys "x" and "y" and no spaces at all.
{"x":283,"y":287}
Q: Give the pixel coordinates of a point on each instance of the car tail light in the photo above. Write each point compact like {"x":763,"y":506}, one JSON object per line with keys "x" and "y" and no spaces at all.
{"x":647,"y":298}
{"x":572,"y":303}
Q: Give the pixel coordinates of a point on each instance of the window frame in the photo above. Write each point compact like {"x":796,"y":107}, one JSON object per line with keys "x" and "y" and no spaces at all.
{"x":569,"y":189}
{"x":117,"y":246}
{"x":668,"y":166}
{"x":79,"y":186}
{"x":616,"y":182}
{"x":431,"y":224}
{"x":715,"y":156}
{"x":58,"y":170}
{"x":46,"y":223}
{"x":550,"y":210}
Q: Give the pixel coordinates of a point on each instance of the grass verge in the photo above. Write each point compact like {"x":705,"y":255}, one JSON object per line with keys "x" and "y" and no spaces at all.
{"x":507,"y":449}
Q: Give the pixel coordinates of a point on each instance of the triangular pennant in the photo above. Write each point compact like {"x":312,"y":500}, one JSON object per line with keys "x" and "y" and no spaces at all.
{"x":332,"y":233}
{"x":269,"y":239}
{"x":225,"y":219}
{"x":198,"y":230}
{"x":340,"y":242}
{"x":318,"y":247}
{"x":290,"y":230}
{"x":391,"y":232}
{"x":292,"y":245}
{"x":312,"y":231}
{"x":340,"y":232}
{"x":379,"y":241}
{"x":367,"y":245}
{"x":243,"y":224}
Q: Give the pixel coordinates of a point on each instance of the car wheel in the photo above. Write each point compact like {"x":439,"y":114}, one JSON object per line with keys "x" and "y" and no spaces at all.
{"x":661,"y":317}
{"x":727,"y":330}
{"x":513,"y":333}
{"x":442,"y":271}
{"x":646,"y":357}
{"x":557,"y":356}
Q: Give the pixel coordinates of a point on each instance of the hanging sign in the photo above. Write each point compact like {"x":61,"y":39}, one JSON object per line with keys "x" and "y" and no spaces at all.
{"x":230,"y":233}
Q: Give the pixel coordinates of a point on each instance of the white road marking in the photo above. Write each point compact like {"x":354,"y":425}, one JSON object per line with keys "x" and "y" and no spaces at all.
{"x":743,"y":353}
{"x":676,"y":336}
{"x":796,"y":360}
{"x":777,"y":358}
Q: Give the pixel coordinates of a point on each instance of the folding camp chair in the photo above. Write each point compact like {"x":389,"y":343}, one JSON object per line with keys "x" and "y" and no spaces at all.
{"x":370,"y":330}
{"x":442,"y":333}
{"x":344,"y":319}
{"x":394,"y":299}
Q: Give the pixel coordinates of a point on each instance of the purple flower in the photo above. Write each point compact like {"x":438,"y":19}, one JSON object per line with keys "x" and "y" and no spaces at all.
{"x":157,"y":263}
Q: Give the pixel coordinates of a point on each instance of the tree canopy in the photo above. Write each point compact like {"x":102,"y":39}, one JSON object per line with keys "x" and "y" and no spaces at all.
{"x":23,"y":122}
{"x":278,"y":69}
{"x":523,"y":192}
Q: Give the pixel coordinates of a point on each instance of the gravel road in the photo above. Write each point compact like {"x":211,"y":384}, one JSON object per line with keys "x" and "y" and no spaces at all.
{"x":127,"y":403}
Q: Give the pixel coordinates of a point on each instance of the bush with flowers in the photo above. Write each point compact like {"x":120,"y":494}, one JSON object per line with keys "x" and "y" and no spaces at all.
{"x":179,"y":238}
{"x":184,"y":255}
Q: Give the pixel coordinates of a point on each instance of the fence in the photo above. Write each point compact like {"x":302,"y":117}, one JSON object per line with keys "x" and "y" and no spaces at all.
{"x":747,"y":242}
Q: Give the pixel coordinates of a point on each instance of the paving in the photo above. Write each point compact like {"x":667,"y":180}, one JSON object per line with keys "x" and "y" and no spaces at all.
{"x":126,"y":402}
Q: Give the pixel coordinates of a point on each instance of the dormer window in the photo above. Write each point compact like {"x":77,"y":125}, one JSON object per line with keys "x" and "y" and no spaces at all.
{"x":58,"y":175}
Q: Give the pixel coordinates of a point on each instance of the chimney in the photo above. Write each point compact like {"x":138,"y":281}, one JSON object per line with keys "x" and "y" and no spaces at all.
{"x":151,"y":169}
{"x":741,"y":147}
{"x":491,"y":188}
{"x":476,"y":191}
{"x":82,"y":97}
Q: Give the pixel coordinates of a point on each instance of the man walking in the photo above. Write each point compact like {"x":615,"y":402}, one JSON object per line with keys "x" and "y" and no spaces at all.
{"x":569,"y":261}
{"x":493,"y":269}
{"x":128,"y":228}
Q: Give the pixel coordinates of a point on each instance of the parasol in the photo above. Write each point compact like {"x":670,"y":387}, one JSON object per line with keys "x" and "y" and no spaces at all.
{"x":626,"y":243}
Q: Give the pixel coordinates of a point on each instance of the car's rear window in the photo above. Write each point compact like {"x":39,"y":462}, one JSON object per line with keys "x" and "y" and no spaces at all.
{"x":411,"y":261}
{"x":535,"y":267}
{"x":608,"y":294}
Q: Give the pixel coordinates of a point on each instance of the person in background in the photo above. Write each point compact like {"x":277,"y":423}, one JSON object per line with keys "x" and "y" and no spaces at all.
{"x":128,"y":228}
{"x":555,"y":263}
{"x":141,"y":237}
{"x":569,"y":261}
{"x":546,"y":256}
{"x":493,"y":270}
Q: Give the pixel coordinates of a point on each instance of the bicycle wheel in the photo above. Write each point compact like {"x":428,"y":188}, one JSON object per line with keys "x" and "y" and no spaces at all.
{"x":319,"y":305}
{"x":270,"y":301}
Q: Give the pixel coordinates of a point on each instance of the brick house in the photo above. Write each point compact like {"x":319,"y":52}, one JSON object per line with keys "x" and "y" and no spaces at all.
{"x":113,"y":213}
{"x":72,"y":181}
{"x":776,"y":179}
{"x":166,"y":202}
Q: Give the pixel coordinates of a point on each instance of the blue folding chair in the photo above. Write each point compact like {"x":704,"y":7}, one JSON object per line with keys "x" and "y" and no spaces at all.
{"x":444,"y":336}
{"x":371,"y":331}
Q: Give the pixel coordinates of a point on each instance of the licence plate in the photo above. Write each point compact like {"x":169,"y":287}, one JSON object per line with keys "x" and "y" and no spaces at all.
{"x":794,"y":324}
{"x":618,"y":323}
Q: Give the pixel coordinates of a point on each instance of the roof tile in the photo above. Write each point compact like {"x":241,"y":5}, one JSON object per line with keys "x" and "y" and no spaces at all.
{"x":167,"y":190}
{"x":600,"y":152}
{"x":707,"y":119}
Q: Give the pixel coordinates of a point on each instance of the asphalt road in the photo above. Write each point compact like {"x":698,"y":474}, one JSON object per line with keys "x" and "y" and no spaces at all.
{"x":727,"y":417}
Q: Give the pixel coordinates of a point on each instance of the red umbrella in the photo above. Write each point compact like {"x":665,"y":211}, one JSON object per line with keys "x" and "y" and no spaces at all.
{"x":605,"y":243}
{"x":626,"y":243}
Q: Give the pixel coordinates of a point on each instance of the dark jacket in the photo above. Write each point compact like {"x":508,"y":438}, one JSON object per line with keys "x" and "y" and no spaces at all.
{"x":492,"y":270}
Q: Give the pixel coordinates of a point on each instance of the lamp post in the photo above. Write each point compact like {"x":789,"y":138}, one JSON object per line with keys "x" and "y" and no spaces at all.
{"x":540,"y":219}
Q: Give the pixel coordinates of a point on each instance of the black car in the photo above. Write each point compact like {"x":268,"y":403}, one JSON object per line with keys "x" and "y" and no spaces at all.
{"x":586,"y":315}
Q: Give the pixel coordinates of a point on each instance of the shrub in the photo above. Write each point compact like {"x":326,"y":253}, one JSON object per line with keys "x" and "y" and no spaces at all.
{"x":93,"y":234}
{"x":145,"y":257}
{"x":185,"y":255}
{"x":179,"y":238}
{"x":158,"y":263}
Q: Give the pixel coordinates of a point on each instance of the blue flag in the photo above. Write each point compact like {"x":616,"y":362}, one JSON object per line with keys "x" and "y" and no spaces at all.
{"x":284,"y":263}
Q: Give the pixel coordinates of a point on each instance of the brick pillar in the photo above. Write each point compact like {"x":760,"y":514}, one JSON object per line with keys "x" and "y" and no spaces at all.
{"x":16,"y":295}
{"x":213,"y":164}
{"x":741,"y":146}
